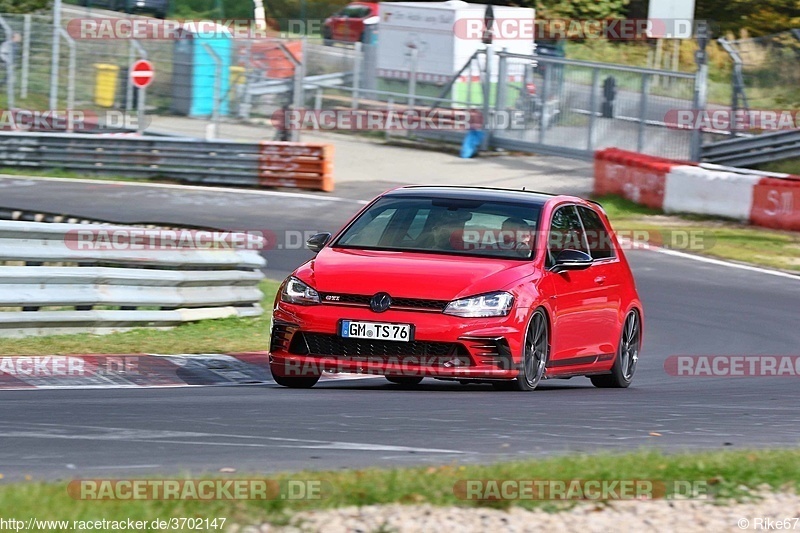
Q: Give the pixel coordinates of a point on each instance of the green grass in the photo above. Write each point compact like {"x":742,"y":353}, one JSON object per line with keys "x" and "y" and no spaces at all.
{"x":788,"y":166}
{"x":61,"y":173}
{"x":224,"y":335}
{"x":727,"y":476}
{"x":720,"y":238}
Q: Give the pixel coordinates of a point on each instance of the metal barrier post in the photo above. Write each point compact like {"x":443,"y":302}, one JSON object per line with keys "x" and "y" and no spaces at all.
{"x":642,"y":112}
{"x":10,"y":65}
{"x":389,"y":111}
{"x":26,"y":57}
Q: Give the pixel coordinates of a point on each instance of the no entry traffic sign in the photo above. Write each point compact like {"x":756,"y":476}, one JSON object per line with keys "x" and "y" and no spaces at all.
{"x":142,"y":74}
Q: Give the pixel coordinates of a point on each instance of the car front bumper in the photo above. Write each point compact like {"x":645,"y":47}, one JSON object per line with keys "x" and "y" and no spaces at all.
{"x":305,"y":341}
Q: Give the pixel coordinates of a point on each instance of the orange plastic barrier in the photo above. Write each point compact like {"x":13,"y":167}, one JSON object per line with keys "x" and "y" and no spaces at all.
{"x":298,"y":165}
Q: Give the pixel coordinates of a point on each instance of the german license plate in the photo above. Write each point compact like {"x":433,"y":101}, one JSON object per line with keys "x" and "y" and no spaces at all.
{"x":376,"y":330}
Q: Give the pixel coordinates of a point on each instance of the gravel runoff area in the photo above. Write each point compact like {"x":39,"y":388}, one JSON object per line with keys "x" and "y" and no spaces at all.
{"x":685,"y":516}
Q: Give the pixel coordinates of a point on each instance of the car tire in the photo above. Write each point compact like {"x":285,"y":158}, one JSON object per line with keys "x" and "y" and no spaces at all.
{"x":624,"y":367}
{"x":404,"y":380}
{"x":305,"y":382}
{"x":535,"y":354}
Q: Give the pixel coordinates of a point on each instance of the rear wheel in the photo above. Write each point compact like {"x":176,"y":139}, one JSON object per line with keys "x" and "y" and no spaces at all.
{"x":404,"y":380}
{"x":627,"y":356}
{"x":535,"y":353}
{"x":305,"y":382}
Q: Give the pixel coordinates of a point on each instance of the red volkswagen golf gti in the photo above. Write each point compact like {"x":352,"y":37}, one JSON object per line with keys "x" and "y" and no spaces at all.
{"x":468,"y":284}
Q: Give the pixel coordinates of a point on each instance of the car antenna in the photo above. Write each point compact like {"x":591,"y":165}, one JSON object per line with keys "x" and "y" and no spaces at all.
{"x":523,"y":187}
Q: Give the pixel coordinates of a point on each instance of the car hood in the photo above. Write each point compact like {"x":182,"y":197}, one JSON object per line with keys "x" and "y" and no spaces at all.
{"x":409,"y":274}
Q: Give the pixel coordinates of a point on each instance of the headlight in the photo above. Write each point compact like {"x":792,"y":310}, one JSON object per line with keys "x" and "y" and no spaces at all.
{"x":296,"y":292}
{"x":492,"y":304}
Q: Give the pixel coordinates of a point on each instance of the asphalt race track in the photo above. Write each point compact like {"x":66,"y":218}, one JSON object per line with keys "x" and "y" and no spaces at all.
{"x":691,"y":308}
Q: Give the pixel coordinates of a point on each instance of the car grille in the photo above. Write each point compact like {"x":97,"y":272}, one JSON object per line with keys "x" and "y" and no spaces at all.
{"x":324,"y":344}
{"x":360,"y":300}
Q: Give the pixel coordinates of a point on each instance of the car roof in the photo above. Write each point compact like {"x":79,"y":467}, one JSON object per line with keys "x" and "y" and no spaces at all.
{"x":479,"y":193}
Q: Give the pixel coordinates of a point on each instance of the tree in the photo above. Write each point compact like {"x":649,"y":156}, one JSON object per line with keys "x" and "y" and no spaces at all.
{"x":23,"y":6}
{"x":579,"y":9}
{"x":758,"y":18}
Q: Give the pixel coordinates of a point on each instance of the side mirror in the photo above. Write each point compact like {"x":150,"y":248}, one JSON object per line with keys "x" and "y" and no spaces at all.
{"x":318,"y":241}
{"x":572,"y":260}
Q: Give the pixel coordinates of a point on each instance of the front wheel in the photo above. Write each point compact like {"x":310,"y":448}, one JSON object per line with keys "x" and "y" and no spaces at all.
{"x":627,"y":356}
{"x":536,"y":351}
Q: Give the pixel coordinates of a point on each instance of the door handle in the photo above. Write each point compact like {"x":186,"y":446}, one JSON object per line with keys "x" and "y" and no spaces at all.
{"x":600,"y":280}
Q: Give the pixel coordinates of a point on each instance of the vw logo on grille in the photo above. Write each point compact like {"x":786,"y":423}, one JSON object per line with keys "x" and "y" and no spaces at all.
{"x":380,"y":302}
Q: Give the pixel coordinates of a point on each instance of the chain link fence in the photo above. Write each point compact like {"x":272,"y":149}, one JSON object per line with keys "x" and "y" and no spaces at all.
{"x":765,"y":73}
{"x":527,"y":102}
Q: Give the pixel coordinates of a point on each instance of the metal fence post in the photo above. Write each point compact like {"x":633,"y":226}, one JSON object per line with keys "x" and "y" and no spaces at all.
{"x":487,"y":97}
{"x":642,"y":112}
{"x":247,"y":100}
{"x":215,"y":111}
{"x":56,"y":51}
{"x":356,"y":75}
{"x":412,"y":80}
{"x":593,"y":107}
{"x":141,"y":93}
{"x":70,"y":68}
{"x":26,"y":56}
{"x":700,"y":89}
{"x":10,"y":65}
{"x":545,"y":96}
{"x":502,"y":78}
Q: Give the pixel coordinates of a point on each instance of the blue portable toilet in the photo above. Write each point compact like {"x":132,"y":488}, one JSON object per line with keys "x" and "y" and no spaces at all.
{"x":194,"y":69}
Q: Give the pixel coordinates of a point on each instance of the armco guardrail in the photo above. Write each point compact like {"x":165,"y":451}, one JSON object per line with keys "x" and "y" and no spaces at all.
{"x":765,"y":199}
{"x":220,"y":162}
{"x":52,"y":281}
{"x":748,"y":151}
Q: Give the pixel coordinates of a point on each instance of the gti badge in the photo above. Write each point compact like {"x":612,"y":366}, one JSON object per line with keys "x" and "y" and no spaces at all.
{"x":380,"y":302}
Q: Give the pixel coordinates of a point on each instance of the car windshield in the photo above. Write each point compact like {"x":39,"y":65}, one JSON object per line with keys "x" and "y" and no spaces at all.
{"x":449,"y":226}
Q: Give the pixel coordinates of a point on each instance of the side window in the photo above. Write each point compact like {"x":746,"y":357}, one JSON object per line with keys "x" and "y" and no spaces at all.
{"x":598,"y":237}
{"x":566,"y":233}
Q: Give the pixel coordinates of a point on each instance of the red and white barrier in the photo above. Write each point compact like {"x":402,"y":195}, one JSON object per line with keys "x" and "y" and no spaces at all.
{"x":681,"y":187}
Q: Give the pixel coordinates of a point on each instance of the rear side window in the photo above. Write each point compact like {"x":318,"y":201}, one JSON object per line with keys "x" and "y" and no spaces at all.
{"x":597,"y":236}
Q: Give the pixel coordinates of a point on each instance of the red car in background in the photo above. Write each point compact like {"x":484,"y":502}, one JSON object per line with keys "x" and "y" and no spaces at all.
{"x":467,"y":284}
{"x":347,"y":25}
